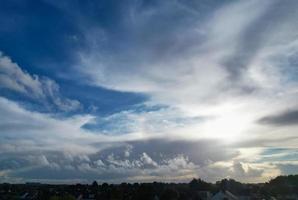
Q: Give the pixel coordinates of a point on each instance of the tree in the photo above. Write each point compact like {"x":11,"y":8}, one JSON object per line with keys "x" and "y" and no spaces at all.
{"x":64,"y":197}
{"x":169,"y":194}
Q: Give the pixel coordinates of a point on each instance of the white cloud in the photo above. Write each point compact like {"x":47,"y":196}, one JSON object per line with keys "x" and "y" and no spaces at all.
{"x":233,"y":67}
{"x":228,"y":72}
{"x":12,"y":77}
{"x":216,"y":77}
{"x":23,"y":130}
{"x":42,"y":89}
{"x":147,"y":160}
{"x":99,"y":163}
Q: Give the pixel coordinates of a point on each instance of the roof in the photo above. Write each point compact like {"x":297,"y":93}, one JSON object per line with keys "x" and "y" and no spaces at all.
{"x":224,"y":194}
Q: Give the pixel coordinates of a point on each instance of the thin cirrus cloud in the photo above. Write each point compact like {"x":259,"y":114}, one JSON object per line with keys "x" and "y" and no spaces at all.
{"x":217,"y":67}
{"x":217,"y":77}
{"x":224,"y":42}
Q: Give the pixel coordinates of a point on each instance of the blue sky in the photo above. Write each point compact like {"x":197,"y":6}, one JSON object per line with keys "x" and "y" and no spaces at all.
{"x":148,"y":90}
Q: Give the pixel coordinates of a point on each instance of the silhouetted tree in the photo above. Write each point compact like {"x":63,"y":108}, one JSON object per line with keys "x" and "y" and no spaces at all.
{"x":169,"y":194}
{"x":145,"y":192}
{"x":94,"y":184}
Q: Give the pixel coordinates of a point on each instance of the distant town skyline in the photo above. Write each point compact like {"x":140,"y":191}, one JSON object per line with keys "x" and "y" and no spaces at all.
{"x":142,"y":91}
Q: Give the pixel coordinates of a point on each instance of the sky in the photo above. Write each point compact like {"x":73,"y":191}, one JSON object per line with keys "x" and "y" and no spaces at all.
{"x":141,"y":91}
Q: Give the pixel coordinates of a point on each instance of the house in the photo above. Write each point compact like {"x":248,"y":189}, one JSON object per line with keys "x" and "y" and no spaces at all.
{"x":204,"y":195}
{"x":24,"y":196}
{"x":156,"y":197}
{"x":244,"y":197}
{"x":86,"y":197}
{"x":224,"y":195}
{"x":288,"y":197}
{"x":28,"y":196}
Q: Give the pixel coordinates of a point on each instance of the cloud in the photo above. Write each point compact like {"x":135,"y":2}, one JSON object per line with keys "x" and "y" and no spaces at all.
{"x":228,"y":66}
{"x":176,"y":74}
{"x":286,"y":118}
{"x":289,"y":168}
{"x":211,"y":72}
{"x":40,"y":89}
{"x":149,"y":123}
{"x":213,"y":76}
{"x":23,"y":130}
{"x":116,"y":171}
{"x":56,"y":168}
{"x":147,"y":160}
{"x":239,"y":171}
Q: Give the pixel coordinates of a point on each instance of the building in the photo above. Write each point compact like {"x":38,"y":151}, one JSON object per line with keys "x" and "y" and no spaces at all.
{"x":224,"y":195}
{"x":204,"y":195}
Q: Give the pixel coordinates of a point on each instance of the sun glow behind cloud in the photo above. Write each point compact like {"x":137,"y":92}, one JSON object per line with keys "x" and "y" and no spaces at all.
{"x":228,"y":127}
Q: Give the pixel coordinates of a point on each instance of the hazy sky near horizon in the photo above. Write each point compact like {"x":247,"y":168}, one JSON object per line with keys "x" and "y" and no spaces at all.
{"x":139,"y":90}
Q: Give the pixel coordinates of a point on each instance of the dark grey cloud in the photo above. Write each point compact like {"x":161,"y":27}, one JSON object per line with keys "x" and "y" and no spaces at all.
{"x":289,"y":117}
{"x":121,"y":162}
{"x":199,"y":152}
